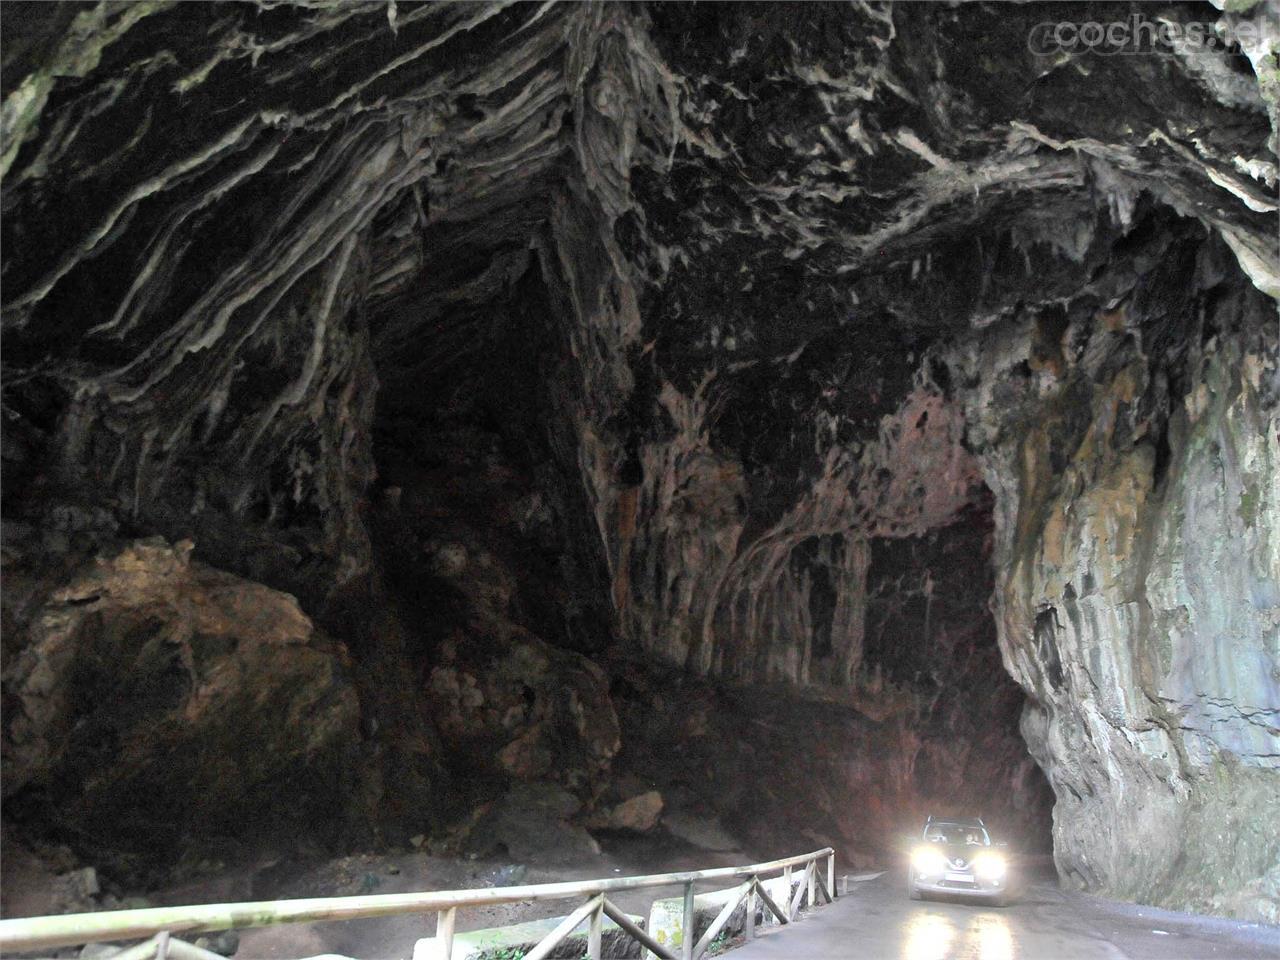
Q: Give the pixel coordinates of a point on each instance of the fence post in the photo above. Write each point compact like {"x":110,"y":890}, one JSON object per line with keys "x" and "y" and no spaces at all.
{"x":750,"y":926}
{"x":689,"y":936}
{"x":595,"y":931}
{"x":831,"y":875}
{"x":445,"y":921}
{"x":813,"y":883}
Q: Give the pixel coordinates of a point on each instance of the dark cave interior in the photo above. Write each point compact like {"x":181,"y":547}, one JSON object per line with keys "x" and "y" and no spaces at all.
{"x":410,"y":409}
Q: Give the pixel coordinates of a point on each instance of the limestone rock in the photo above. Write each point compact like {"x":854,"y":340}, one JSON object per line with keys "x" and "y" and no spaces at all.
{"x":1140,"y":578}
{"x":531,"y":823}
{"x":545,"y":713}
{"x":156,"y":698}
{"x":638,"y":814}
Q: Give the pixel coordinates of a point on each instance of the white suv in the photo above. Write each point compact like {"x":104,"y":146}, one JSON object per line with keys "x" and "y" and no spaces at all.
{"x":957,"y":857}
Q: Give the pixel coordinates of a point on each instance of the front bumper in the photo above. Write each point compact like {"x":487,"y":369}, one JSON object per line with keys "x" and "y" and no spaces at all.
{"x":976,"y":888}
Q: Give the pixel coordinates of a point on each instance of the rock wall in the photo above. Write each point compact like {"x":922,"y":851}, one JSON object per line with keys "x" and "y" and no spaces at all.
{"x":1131,"y":438}
{"x":157,"y":702}
{"x":706,"y":581}
{"x":927,"y":728}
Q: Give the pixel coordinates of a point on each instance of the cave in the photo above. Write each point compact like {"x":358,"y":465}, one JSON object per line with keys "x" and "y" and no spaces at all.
{"x":510,"y":429}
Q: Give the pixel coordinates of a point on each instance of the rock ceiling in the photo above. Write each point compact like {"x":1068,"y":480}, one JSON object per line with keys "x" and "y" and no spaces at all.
{"x":225,"y":224}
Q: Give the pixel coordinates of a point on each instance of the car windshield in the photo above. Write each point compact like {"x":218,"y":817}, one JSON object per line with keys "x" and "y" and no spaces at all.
{"x":956,"y":833}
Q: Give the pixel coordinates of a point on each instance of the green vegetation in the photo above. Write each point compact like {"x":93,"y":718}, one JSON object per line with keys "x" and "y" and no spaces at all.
{"x":503,"y":953}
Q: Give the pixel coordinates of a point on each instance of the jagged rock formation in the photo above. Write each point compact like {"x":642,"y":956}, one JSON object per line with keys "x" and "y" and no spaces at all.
{"x":156,"y":697}
{"x":1138,"y":566}
{"x":738,"y":349}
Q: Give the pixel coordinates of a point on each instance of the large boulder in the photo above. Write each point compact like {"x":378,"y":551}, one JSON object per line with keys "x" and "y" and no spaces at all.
{"x":639,"y":814}
{"x":155,"y":698}
{"x":525,"y":710}
{"x":532,"y":824}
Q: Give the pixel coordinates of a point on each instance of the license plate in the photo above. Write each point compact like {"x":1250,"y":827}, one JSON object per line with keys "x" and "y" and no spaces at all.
{"x":960,"y":877}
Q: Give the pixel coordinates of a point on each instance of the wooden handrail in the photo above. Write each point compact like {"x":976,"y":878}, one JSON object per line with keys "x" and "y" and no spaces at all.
{"x":76,"y":928}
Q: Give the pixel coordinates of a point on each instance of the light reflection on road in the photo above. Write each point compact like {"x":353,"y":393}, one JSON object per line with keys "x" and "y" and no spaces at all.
{"x":995,"y":940}
{"x":931,"y":936}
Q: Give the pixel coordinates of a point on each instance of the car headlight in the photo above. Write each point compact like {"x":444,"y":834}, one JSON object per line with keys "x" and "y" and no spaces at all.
{"x":989,"y":866}
{"x":928,"y":860}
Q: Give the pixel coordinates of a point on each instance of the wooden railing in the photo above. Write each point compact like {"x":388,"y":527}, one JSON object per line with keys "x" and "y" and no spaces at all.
{"x":162,"y":923}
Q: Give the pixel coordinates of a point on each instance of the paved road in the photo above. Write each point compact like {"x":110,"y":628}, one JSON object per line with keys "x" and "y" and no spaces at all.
{"x":875,"y":920}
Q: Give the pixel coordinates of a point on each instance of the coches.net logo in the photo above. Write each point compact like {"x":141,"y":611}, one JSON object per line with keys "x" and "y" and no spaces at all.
{"x":1140,"y":35}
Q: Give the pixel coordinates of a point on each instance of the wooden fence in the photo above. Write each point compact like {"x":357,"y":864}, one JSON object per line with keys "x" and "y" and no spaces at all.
{"x":161,"y":924}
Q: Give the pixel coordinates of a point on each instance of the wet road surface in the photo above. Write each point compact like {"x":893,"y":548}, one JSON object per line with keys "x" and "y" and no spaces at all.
{"x":875,"y":920}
